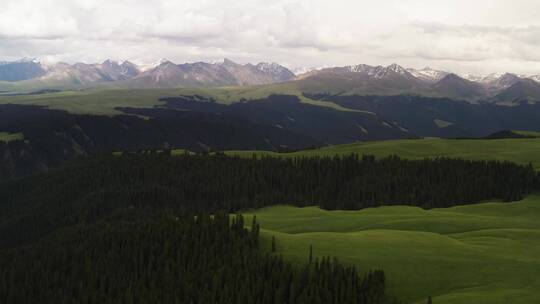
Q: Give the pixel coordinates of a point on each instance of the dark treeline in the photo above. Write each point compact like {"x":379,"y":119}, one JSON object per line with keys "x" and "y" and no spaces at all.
{"x":171,"y":259}
{"x":508,"y":134}
{"x":90,"y":189}
{"x":52,"y":137}
{"x":417,"y":114}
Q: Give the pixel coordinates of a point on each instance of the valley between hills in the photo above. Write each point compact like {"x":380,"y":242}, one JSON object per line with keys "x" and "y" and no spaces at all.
{"x":469,"y":254}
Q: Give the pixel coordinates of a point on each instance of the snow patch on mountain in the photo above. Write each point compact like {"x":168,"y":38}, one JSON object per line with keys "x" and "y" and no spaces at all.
{"x":396,"y":68}
{"x":303,"y":70}
{"x":535,"y":78}
{"x":22,"y":60}
{"x":492,"y":77}
{"x":271,"y":67}
{"x":228,"y":72}
{"x":379,"y":72}
{"x":471,"y":77}
{"x":428,"y":74}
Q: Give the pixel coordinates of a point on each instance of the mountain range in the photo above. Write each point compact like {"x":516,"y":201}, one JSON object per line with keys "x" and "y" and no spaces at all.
{"x":362,"y":79}
{"x":126,"y":74}
{"x":274,"y":110}
{"x":368,"y":80}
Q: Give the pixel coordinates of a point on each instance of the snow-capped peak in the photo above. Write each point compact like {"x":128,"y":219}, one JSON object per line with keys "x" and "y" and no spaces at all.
{"x":145,"y":66}
{"x":227,"y":61}
{"x":110,"y":62}
{"x":28,"y":60}
{"x":492,"y":77}
{"x":162,"y":61}
{"x":271,"y":67}
{"x":303,"y":70}
{"x":396,"y":68}
{"x":428,"y":74}
{"x":535,"y":78}
{"x":22,"y":60}
{"x":471,"y":77}
{"x":360,"y":68}
{"x":377,"y":72}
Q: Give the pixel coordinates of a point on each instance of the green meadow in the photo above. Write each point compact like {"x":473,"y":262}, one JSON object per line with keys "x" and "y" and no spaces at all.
{"x":7,"y":137}
{"x":105,"y":101}
{"x":100,"y":102}
{"x":534,"y":134}
{"x":521,"y":151}
{"x":484,"y":254}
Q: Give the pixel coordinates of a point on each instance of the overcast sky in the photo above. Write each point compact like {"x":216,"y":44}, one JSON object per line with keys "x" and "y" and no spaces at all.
{"x":476,"y":36}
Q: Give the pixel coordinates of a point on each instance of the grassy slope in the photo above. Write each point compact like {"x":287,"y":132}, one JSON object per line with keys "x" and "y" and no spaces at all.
{"x":522,"y":151}
{"x":487,"y":253}
{"x":528,"y":133}
{"x":104,"y":101}
{"x":101,"y":102}
{"x":7,"y":137}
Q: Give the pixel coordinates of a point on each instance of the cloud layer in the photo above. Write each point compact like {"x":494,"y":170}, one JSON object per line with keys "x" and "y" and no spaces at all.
{"x":478,"y":36}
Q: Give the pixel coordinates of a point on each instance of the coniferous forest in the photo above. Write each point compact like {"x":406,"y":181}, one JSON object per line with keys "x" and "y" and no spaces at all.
{"x":169,"y":259}
{"x":154,"y":228}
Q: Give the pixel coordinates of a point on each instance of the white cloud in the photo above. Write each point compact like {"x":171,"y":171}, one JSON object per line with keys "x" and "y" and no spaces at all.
{"x":465,"y":36}
{"x":23,"y":20}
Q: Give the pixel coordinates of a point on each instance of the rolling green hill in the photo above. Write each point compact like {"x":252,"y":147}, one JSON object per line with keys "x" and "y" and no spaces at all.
{"x":487,"y":253}
{"x":522,"y":151}
{"x":528,"y":133}
{"x":101,"y":102}
{"x":105,"y":101}
{"x":7,"y":137}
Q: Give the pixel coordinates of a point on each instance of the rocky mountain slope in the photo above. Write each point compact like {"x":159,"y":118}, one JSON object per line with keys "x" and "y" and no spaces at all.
{"x":20,"y":70}
{"x":368,"y":80}
{"x":32,"y":73}
{"x":362,"y":79}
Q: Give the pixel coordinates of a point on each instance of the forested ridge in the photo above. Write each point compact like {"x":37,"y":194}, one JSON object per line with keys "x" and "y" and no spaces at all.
{"x":52,"y":137}
{"x":135,"y":228}
{"x":171,"y":259}
{"x":90,"y":189}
